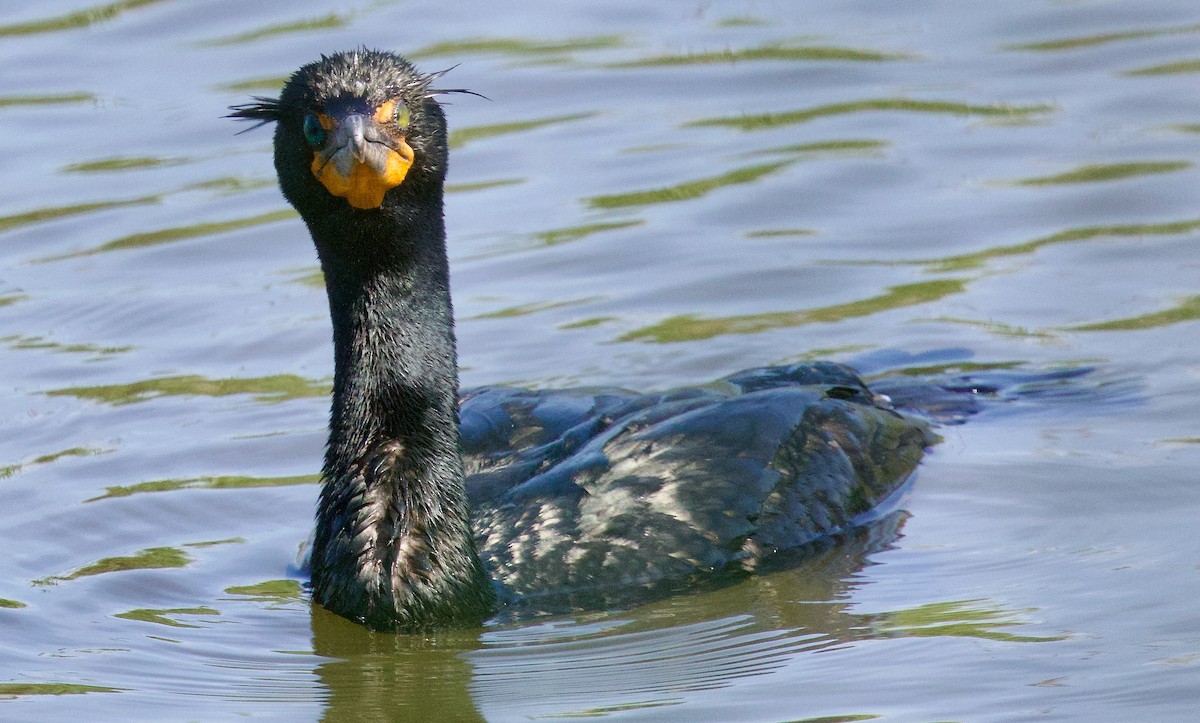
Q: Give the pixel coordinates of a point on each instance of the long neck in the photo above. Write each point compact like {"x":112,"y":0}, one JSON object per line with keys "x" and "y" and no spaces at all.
{"x":393,"y":546}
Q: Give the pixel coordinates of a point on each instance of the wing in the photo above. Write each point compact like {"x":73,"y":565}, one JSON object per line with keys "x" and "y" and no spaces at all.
{"x":588,"y":490}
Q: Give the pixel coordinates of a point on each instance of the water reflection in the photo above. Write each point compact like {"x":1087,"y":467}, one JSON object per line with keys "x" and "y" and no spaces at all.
{"x":642,"y":659}
{"x":272,"y":591}
{"x":124,"y":163}
{"x":180,"y":233}
{"x":75,"y":19}
{"x":330,"y":21}
{"x":1183,"y":66}
{"x":777,"y":119}
{"x":543,"y":51}
{"x":976,"y":259}
{"x":385,"y":677}
{"x":1187,"y":309}
{"x":1087,"y":41}
{"x":14,"y":690}
{"x":551,"y":237}
{"x":266,"y":84}
{"x":37,"y":342}
{"x":772,"y":51}
{"x":274,"y":388}
{"x":652,"y":655}
{"x":51,"y":213}
{"x":1107,"y":172}
{"x":12,"y":469}
{"x":9,"y":101}
{"x":483,"y":185}
{"x":148,"y":559}
{"x":843,"y":146}
{"x":603,"y":661}
{"x":459,"y":137}
{"x":509,"y":312}
{"x":958,"y":618}
{"x":688,"y":190}
{"x":688,"y":327}
{"x":168,"y":616}
{"x":228,"y":482}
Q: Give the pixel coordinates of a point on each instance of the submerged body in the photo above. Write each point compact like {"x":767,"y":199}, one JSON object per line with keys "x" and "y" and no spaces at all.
{"x":576,"y":493}
{"x":568,"y":491}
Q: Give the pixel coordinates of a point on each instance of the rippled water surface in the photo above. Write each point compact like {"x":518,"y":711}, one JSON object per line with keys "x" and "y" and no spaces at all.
{"x":655,"y":194}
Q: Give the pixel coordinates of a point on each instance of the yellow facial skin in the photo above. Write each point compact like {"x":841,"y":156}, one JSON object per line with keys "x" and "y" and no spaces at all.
{"x":365,"y":187}
{"x":376,"y":167}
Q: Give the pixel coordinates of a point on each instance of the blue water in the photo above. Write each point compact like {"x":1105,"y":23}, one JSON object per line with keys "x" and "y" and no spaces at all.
{"x":652,"y":195}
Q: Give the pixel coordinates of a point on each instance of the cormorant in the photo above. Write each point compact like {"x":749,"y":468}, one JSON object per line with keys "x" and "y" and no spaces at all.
{"x":424,"y":522}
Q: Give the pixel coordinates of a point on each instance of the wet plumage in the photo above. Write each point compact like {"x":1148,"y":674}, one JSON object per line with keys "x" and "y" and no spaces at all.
{"x":423,"y":522}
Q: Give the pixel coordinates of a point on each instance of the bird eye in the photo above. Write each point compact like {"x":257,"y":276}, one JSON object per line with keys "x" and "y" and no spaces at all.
{"x":314,"y":133}
{"x":403,"y":116}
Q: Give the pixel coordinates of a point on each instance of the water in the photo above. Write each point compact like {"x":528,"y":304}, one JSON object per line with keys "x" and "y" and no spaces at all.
{"x":655,"y":194}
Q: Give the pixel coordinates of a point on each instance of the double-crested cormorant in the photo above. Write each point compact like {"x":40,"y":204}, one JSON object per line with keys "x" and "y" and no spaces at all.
{"x":544,"y":494}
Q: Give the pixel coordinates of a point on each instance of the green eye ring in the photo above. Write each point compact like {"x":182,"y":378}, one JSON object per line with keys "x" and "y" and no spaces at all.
{"x":314,"y":132}
{"x":402,"y":115}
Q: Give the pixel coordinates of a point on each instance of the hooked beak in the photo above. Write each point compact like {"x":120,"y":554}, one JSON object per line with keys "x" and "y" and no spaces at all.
{"x":361,"y":162}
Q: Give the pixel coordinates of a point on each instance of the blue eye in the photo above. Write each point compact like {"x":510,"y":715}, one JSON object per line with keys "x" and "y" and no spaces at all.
{"x":313,"y":132}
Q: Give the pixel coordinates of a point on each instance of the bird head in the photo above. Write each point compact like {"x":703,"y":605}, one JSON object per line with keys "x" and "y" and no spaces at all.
{"x":354,"y":126}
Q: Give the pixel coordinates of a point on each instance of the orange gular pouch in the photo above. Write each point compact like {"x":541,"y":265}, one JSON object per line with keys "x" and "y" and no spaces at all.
{"x":365,"y":186}
{"x":361,"y":163}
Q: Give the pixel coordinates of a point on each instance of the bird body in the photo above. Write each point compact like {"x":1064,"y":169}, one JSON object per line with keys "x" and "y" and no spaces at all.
{"x":563,"y":493}
{"x":580,"y":494}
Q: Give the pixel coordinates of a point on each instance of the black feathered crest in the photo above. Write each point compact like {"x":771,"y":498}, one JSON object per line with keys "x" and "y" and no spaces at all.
{"x":267,"y":110}
{"x":431,"y":92}
{"x":264,"y":110}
